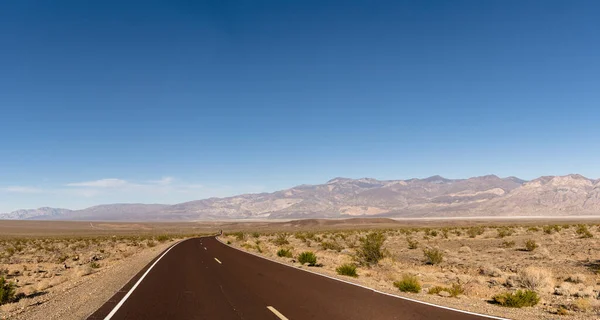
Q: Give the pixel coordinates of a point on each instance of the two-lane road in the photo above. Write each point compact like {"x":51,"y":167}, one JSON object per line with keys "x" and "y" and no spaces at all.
{"x":202,"y":278}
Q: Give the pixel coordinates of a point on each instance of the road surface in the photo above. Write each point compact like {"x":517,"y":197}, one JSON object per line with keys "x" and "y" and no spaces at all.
{"x":202,"y":278}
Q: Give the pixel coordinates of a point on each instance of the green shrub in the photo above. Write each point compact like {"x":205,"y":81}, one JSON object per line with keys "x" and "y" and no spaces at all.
{"x":533,"y":229}
{"x":7,"y":291}
{"x":94,"y":265}
{"x":412,"y":244}
{"x":284,"y":253}
{"x":255,"y":234}
{"x":281,"y":239}
{"x":433,"y":256}
{"x":347,"y":270}
{"x":583,"y":231}
{"x":530,"y":245}
{"x":151,"y":244}
{"x":408,"y":283}
{"x":518,"y":299}
{"x":308,"y":257}
{"x":370,"y":250}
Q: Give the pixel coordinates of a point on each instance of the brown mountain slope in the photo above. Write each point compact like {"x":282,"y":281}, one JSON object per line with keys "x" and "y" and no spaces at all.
{"x":343,"y":197}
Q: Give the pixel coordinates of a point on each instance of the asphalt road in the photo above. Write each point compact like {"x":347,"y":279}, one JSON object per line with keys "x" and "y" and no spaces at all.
{"x":202,"y":278}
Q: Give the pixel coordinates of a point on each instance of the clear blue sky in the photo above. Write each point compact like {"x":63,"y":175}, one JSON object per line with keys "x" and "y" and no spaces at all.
{"x":181,"y":100}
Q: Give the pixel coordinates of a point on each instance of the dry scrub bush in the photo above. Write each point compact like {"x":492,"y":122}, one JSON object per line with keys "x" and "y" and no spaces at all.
{"x":581,"y":304}
{"x":412,"y":244}
{"x":508,"y":244}
{"x":536,"y":279}
{"x":530,"y":245}
{"x":576,"y":278}
{"x":583,"y":231}
{"x":281,"y":239}
{"x":454,"y":291}
{"x":331,"y":245}
{"x":433,"y":256}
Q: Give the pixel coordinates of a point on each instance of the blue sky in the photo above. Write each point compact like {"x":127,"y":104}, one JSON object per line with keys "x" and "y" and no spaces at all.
{"x":168,"y":101}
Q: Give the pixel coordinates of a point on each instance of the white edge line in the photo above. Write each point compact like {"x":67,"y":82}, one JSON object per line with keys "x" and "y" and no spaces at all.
{"x":365,"y":287}
{"x":116,"y":308}
{"x":277,"y":313}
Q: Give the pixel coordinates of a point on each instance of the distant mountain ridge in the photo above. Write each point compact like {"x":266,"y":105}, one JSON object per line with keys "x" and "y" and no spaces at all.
{"x":435,"y":196}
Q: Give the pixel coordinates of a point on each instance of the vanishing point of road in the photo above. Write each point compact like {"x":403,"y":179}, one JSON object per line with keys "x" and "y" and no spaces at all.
{"x":202,"y":278}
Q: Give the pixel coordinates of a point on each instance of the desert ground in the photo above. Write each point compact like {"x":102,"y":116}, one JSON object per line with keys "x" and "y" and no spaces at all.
{"x":471,"y":267}
{"x":65,"y":270}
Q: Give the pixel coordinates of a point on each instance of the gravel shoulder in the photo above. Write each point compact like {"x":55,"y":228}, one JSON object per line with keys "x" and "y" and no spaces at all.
{"x":77,"y":299}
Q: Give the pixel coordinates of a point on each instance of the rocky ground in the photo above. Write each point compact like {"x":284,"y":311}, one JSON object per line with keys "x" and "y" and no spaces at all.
{"x":69,"y":278}
{"x":560,"y":264}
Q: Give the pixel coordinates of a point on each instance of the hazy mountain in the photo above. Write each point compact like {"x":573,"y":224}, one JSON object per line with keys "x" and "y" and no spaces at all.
{"x":40,"y":213}
{"x":342,"y":197}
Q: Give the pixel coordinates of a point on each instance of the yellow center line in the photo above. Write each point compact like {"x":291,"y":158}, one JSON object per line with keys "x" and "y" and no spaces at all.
{"x":218,"y":261}
{"x":277,"y":313}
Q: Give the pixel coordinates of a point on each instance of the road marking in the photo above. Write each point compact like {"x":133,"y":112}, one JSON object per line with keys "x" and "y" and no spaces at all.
{"x":205,"y":248}
{"x":218,"y":261}
{"x":277,"y":313}
{"x":116,"y":308}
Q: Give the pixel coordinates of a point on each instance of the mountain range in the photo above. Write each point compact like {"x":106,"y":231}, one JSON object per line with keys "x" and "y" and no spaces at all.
{"x":343,"y":197}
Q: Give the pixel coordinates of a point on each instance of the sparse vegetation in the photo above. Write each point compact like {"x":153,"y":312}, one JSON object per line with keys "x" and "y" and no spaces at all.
{"x":7,"y":291}
{"x":508,"y":244}
{"x":455,"y":290}
{"x":551,"y":229}
{"x":518,"y":299}
{"x":583,"y":231}
{"x":239,"y":236}
{"x":412,"y":244}
{"x":409,"y":283}
{"x":475,"y":231}
{"x":433,"y":256}
{"x":530,"y":245}
{"x":331,"y":245}
{"x":347,"y":270}
{"x":163,"y":238}
{"x":466,"y":267}
{"x":505,"y":232}
{"x":536,"y":279}
{"x":370,"y":250}
{"x":308,"y":257}
{"x":281,"y":239}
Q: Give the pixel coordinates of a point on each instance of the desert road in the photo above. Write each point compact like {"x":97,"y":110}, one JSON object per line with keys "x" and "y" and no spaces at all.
{"x":202,"y":278}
